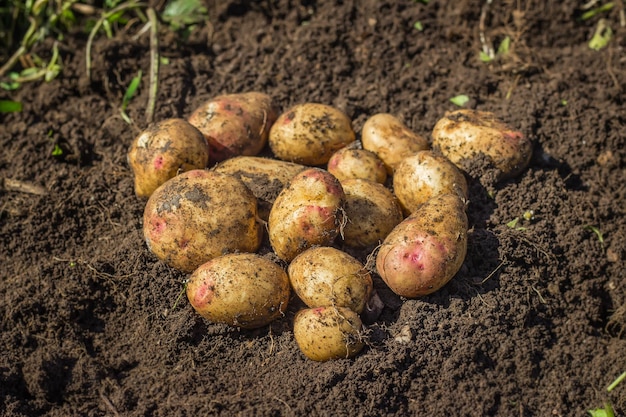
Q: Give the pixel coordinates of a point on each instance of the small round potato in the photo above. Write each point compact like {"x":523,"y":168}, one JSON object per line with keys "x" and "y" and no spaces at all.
{"x":310,"y":133}
{"x":239,"y":289}
{"x":349,"y":162}
{"x":325,"y":276}
{"x":390,"y":139}
{"x":199,"y":215}
{"x":164,"y":150}
{"x":325,"y":333}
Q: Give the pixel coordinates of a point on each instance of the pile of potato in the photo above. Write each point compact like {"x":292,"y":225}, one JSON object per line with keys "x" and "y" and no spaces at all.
{"x":211,"y":200}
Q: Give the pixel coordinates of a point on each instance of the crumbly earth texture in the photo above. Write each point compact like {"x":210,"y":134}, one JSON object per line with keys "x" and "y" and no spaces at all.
{"x":534,"y":323}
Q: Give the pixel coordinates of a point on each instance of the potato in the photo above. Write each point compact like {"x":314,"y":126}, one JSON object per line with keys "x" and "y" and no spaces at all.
{"x":325,"y":276}
{"x":357,"y":163}
{"x":427,"y":249}
{"x":164,"y":150}
{"x":240,"y":289}
{"x":463,"y":136}
{"x":310,"y":133}
{"x":200,"y":215}
{"x":263,"y":176}
{"x":390,"y":139}
{"x":308,"y":212}
{"x":235,"y":124}
{"x":325,"y":333}
{"x":424,"y":175}
{"x":372,"y":211}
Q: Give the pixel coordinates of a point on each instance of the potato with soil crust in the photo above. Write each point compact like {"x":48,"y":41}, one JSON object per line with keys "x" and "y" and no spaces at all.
{"x":306,"y":213}
{"x":427,"y":249}
{"x":239,"y":289}
{"x":200,"y":215}
{"x":325,"y":276}
{"x":310,"y":133}
{"x":350,"y":162}
{"x":326,"y":333}
{"x":235,"y":124}
{"x":372,"y":212}
{"x":463,"y":136}
{"x":390,"y":139}
{"x":164,"y":150}
{"x":420,"y":177}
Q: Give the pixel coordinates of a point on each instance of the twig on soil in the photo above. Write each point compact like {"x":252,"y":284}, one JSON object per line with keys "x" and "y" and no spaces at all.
{"x":109,"y":404}
{"x":487,"y":49}
{"x":22,"y":187}
{"x":154,"y":64}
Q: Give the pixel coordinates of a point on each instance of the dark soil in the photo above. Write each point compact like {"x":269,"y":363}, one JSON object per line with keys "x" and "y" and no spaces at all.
{"x":534,"y":324}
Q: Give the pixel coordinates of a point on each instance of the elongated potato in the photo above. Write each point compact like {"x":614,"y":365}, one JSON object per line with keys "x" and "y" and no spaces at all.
{"x":199,"y":215}
{"x":420,"y":177}
{"x":241,"y":289}
{"x":349,"y":162}
{"x":390,"y":139}
{"x":326,"y":333}
{"x":310,"y":133}
{"x":427,"y":249}
{"x":325,"y":276}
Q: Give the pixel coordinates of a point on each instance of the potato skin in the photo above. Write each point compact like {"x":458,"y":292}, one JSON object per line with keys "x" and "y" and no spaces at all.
{"x":357,"y":163}
{"x":309,"y":133}
{"x":240,"y":289}
{"x":235,"y":124}
{"x":325,"y":276}
{"x":162,"y":151}
{"x":424,"y":175}
{"x":427,"y":249}
{"x":326,"y":333}
{"x":390,"y":139}
{"x":306,"y":213}
{"x":466,"y":134}
{"x":199,"y":215}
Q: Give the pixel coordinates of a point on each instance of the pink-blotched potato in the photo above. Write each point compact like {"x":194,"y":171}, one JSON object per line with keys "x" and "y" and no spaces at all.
{"x":390,"y":139}
{"x":306,"y":213}
{"x":372,"y":212}
{"x":326,"y":333}
{"x":309,"y":133}
{"x":420,"y":177}
{"x":164,"y":150}
{"x":239,"y":289}
{"x":427,"y":249}
{"x":200,"y":215}
{"x":350,"y":162}
{"x":324,"y":276}
{"x":235,"y":124}
{"x":465,"y":135}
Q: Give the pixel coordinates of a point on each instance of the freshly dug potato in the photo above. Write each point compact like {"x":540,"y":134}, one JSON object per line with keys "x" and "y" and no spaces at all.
{"x":357,"y":163}
{"x":265,"y":177}
{"x":325,"y":276}
{"x":310,"y":133}
{"x":325,"y":333}
{"x":164,"y":150}
{"x":390,"y":139}
{"x":200,"y":215}
{"x":463,"y":136}
{"x":306,"y":213}
{"x":240,"y":289}
{"x":427,"y":249}
{"x":372,"y":211}
{"x":424,"y":175}
{"x":235,"y":124}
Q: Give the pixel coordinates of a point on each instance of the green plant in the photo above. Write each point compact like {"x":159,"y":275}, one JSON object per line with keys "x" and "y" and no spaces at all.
{"x":8,"y":106}
{"x":460,"y":100}
{"x":608,"y":411}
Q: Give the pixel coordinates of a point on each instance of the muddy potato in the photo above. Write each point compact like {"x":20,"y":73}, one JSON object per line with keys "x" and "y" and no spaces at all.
{"x":241,"y":289}
{"x":427,"y":249}
{"x":424,"y":175}
{"x":164,"y":150}
{"x":349,"y":162}
{"x":306,"y":213}
{"x":235,"y":124}
{"x":199,"y":215}
{"x":325,"y":276}
{"x":390,"y":139}
{"x":310,"y":133}
{"x":326,"y":333}
{"x":465,"y":135}
{"x":372,"y":212}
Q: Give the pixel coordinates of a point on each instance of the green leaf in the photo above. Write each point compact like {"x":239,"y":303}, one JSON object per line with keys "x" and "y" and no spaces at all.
{"x":57,"y":151}
{"x":8,"y":106}
{"x":607,"y":411}
{"x":596,"y":231}
{"x":513,"y":223}
{"x":131,"y":90}
{"x":418,"y":25}
{"x":483,"y":56}
{"x":504,"y":47}
{"x":460,"y":100}
{"x":14,"y":85}
{"x":593,"y":12}
{"x":181,"y":13}
{"x":602,"y":36}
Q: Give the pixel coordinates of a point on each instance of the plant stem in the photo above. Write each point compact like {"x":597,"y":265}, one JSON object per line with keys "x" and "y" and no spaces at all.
{"x":154,"y":64}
